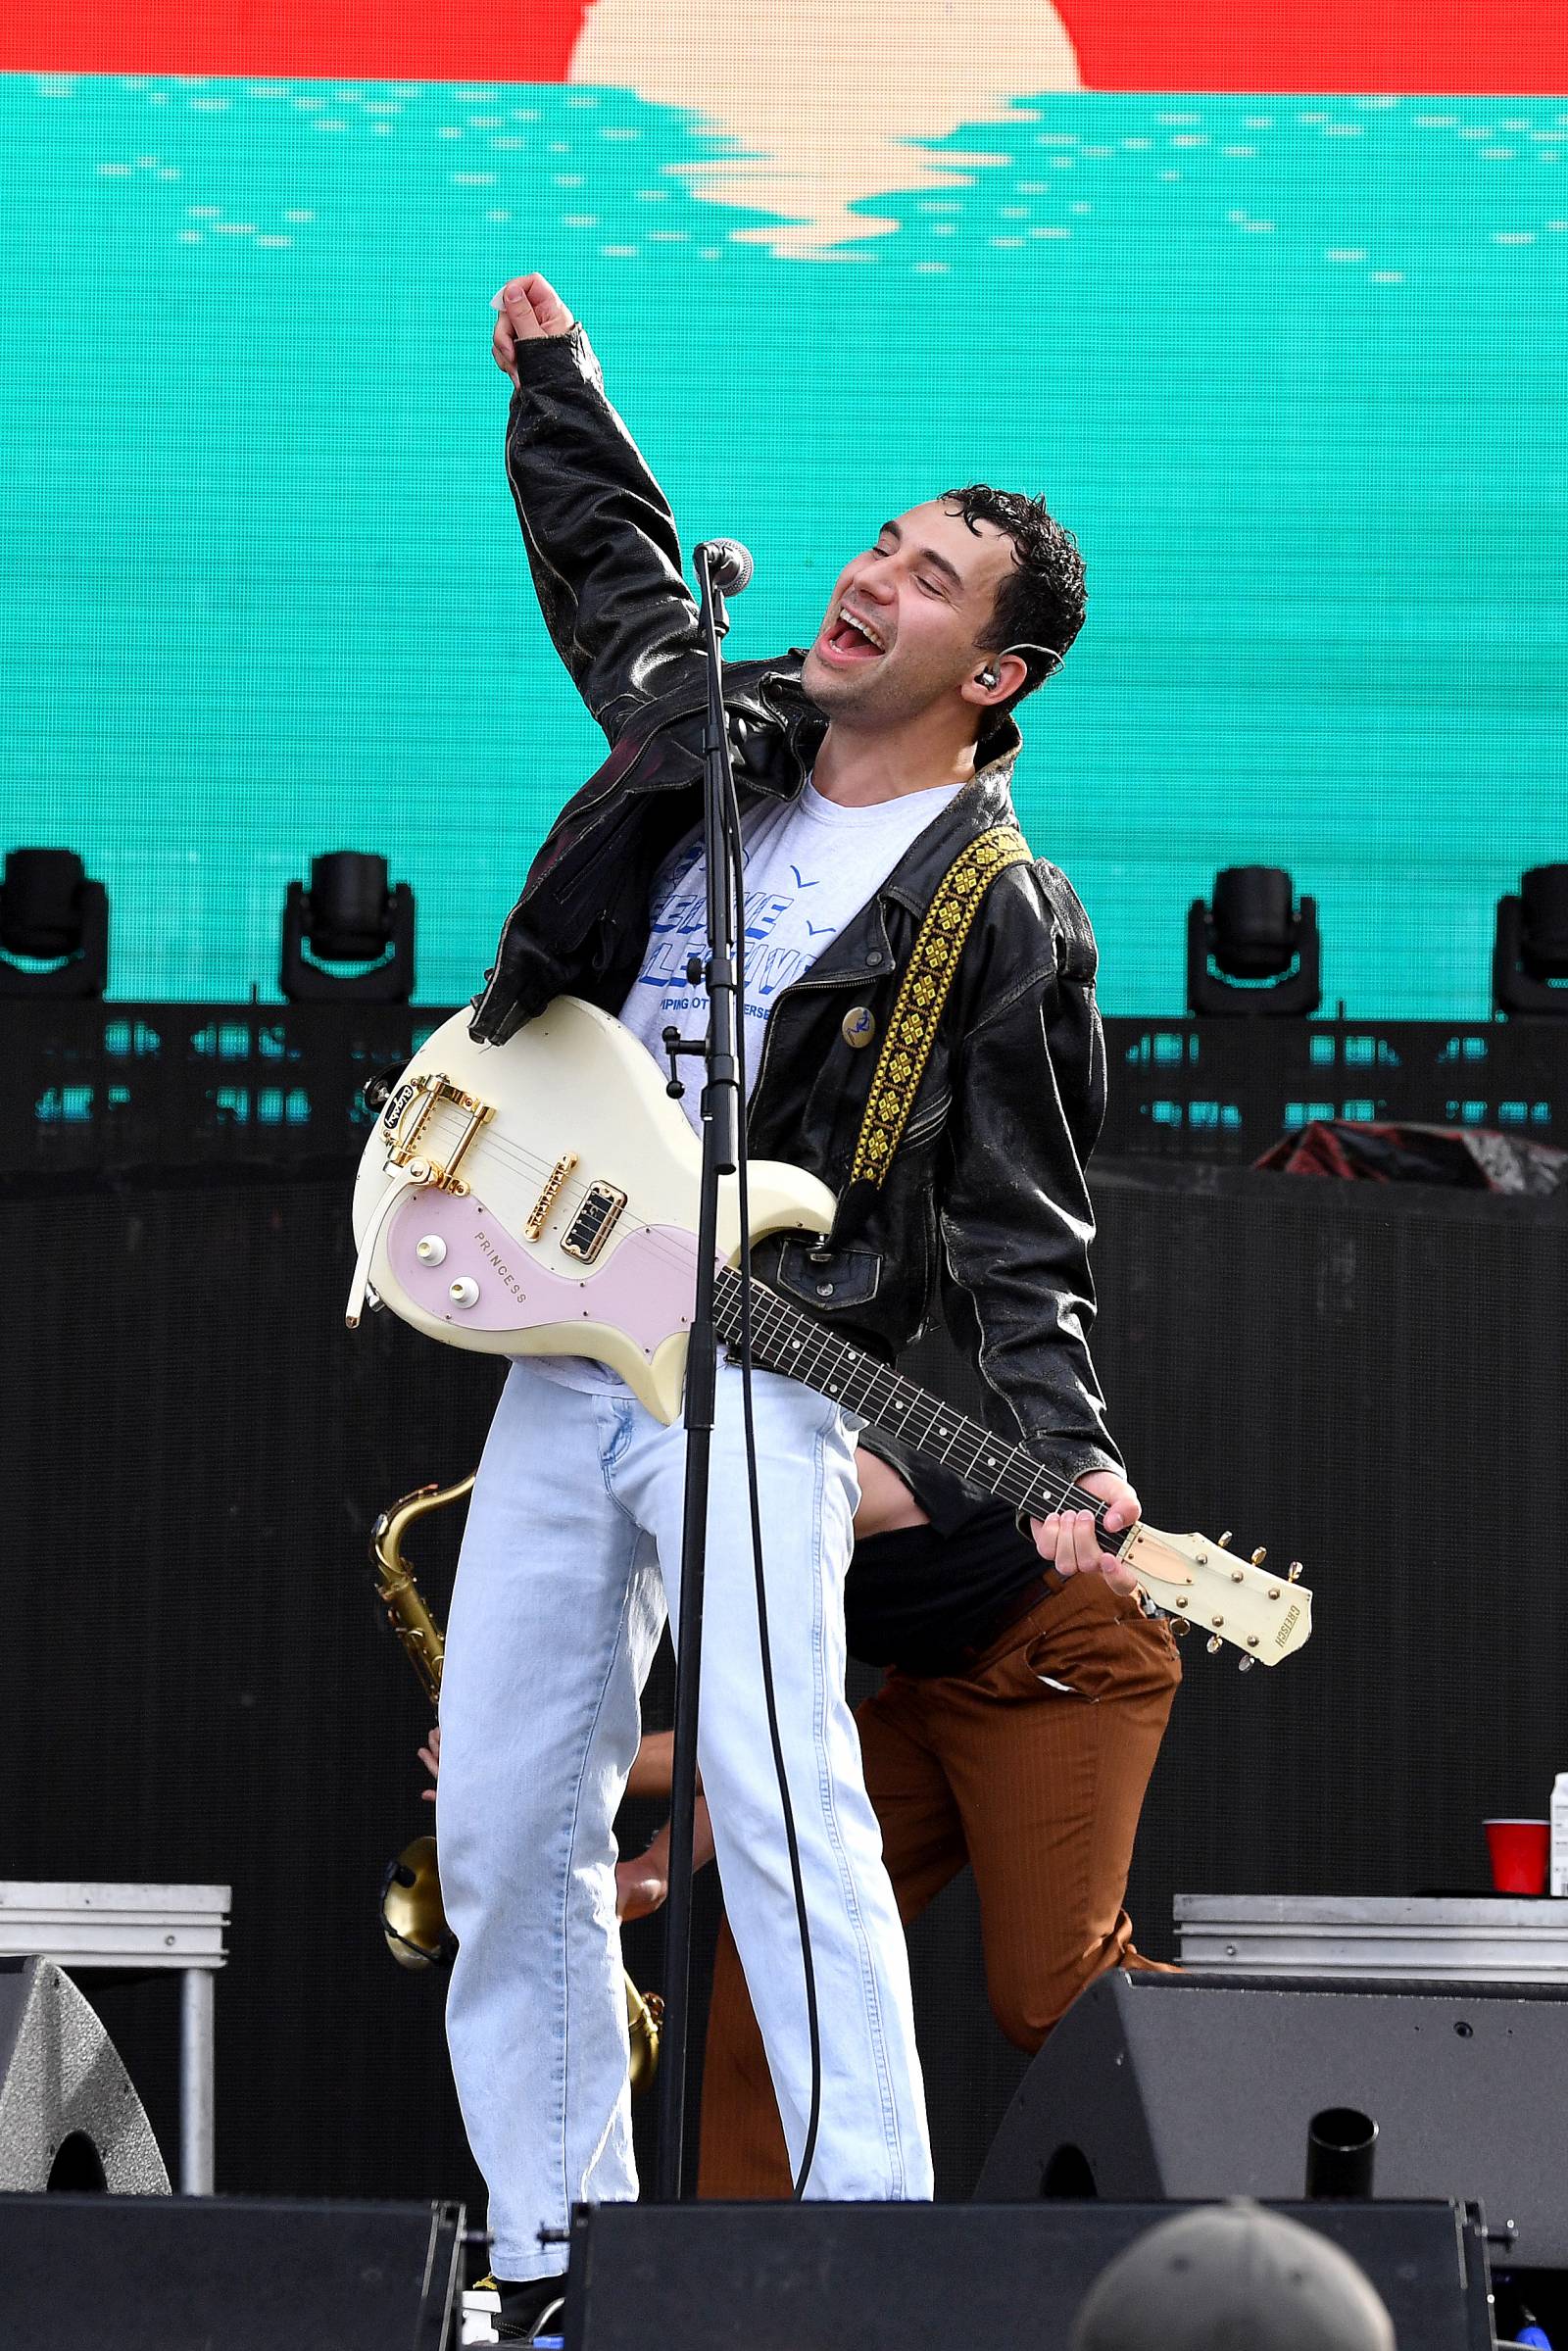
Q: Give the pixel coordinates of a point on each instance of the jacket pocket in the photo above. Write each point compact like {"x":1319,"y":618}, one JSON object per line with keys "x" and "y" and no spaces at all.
{"x":849,"y":1277}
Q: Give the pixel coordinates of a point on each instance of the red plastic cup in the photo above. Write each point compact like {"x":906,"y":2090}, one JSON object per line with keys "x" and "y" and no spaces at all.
{"x":1519,"y":1851}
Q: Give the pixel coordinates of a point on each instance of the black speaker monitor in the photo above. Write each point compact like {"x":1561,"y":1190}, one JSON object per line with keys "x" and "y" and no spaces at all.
{"x":1208,"y":2085}
{"x":200,"y":2273}
{"x":925,"y":2277}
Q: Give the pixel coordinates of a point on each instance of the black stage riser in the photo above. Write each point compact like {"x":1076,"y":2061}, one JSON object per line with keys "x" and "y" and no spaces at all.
{"x":902,"y":2278}
{"x":207,"y":2273}
{"x":1169,"y":2086}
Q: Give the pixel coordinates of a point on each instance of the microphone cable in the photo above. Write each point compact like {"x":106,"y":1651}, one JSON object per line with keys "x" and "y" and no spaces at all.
{"x":737,"y":864}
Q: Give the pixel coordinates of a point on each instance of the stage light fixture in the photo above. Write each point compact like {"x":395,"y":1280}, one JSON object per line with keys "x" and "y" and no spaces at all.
{"x":1530,"y":956}
{"x":1252,"y":950}
{"x":348,"y":916}
{"x":51,"y":915}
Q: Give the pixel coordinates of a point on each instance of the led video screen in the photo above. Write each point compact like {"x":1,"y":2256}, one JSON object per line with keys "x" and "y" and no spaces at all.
{"x":1268,"y":304}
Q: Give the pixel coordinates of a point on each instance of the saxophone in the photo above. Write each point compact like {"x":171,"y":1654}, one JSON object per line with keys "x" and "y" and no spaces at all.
{"x":413,"y":1918}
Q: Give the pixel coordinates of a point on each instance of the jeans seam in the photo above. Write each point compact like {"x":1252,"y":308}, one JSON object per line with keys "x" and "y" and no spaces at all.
{"x":822,"y":1700}
{"x":571,"y":1847}
{"x":608,"y":1455}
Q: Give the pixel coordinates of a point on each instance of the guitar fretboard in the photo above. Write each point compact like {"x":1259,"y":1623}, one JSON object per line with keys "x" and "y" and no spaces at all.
{"x":784,"y":1340}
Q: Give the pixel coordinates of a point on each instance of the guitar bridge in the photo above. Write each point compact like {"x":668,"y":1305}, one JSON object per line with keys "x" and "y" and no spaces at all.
{"x":594,"y":1222}
{"x":539,"y":1216}
{"x":404,"y":1148}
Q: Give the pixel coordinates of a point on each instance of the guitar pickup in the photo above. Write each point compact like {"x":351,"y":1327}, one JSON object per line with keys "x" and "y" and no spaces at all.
{"x":594,"y":1222}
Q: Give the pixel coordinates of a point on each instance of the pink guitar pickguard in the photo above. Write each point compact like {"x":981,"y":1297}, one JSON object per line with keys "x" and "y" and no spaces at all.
{"x":645,"y":1289}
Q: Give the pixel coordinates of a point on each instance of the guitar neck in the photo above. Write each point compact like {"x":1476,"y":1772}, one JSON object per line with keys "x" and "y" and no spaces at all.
{"x":784,"y":1340}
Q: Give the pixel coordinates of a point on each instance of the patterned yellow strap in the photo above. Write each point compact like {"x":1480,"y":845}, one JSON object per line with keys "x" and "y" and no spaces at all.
{"x":922,"y":993}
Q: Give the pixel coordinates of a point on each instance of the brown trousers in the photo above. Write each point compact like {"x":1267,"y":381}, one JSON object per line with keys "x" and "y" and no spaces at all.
{"x":1037,"y":1786}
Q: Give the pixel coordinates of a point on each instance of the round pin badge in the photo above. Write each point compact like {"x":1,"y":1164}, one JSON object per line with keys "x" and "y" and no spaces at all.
{"x":858,"y":1025}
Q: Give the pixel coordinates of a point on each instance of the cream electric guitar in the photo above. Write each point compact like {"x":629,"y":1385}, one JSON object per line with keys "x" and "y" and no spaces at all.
{"x":540,"y":1197}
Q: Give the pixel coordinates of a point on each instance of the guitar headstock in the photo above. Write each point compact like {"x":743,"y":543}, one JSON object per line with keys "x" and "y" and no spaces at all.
{"x":1200,"y":1581}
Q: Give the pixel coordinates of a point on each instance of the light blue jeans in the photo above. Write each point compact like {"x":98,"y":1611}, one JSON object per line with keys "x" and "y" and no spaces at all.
{"x":571,"y":1555}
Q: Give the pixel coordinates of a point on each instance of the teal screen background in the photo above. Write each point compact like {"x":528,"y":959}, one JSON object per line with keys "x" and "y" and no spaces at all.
{"x":1291,"y":368}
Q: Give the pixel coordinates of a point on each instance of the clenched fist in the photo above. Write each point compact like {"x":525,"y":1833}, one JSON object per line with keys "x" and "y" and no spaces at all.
{"x":526,"y":309}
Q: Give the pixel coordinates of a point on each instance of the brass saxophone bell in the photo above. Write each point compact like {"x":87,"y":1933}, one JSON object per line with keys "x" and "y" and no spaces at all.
{"x":413,"y":1921}
{"x":413,"y":1918}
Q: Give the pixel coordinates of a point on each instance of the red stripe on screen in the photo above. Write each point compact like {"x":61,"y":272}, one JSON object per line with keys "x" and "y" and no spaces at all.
{"x":1451,"y":46}
{"x":1488,"y":47}
{"x":342,"y":40}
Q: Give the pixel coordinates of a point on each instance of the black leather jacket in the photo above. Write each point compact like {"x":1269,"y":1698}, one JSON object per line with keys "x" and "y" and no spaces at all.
{"x":986,"y":1204}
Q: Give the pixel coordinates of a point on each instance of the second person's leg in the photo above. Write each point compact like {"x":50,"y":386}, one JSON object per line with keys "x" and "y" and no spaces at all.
{"x":1049,"y":1744}
{"x":742,"y":2151}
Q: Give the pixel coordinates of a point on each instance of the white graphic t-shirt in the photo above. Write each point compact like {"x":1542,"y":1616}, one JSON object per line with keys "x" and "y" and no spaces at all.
{"x":810,"y":864}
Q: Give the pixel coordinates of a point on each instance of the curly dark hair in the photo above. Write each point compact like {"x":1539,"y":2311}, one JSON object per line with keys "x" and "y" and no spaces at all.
{"x":1040,"y":601}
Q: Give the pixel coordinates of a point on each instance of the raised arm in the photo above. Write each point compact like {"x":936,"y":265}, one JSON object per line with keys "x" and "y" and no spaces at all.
{"x":602,"y":542}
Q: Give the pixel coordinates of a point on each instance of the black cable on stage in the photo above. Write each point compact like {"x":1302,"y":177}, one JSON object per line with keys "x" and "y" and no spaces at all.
{"x":813,"y":2022}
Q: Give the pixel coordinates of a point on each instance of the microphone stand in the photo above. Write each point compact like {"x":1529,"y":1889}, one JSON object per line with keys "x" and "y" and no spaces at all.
{"x":720,"y":1109}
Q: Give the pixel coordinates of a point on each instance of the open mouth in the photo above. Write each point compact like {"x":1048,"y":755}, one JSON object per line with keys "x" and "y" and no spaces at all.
{"x":849,"y":638}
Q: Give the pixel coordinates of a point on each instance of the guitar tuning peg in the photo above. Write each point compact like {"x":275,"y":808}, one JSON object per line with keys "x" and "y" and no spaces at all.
{"x":1215,"y":1645}
{"x":1296,"y":1569}
{"x":1258,"y":1556}
{"x":1181,"y":1626}
{"x":1224,"y":1538}
{"x":1244,"y":1665}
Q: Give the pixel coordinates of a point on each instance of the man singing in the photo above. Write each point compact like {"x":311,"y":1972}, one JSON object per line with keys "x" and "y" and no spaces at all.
{"x":866,"y":767}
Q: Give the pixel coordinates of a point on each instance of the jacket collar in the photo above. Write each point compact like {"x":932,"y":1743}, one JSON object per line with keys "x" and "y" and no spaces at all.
{"x":771,"y":691}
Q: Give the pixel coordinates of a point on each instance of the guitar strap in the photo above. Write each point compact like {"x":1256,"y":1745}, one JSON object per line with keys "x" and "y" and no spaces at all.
{"x":917,"y":1009}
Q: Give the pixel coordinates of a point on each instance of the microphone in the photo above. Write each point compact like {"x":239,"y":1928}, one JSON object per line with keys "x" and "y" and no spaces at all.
{"x":729,"y":565}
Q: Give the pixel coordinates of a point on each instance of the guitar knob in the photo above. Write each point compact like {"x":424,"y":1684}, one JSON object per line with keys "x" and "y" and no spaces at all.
{"x":431,"y":1250}
{"x":465,"y":1291}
